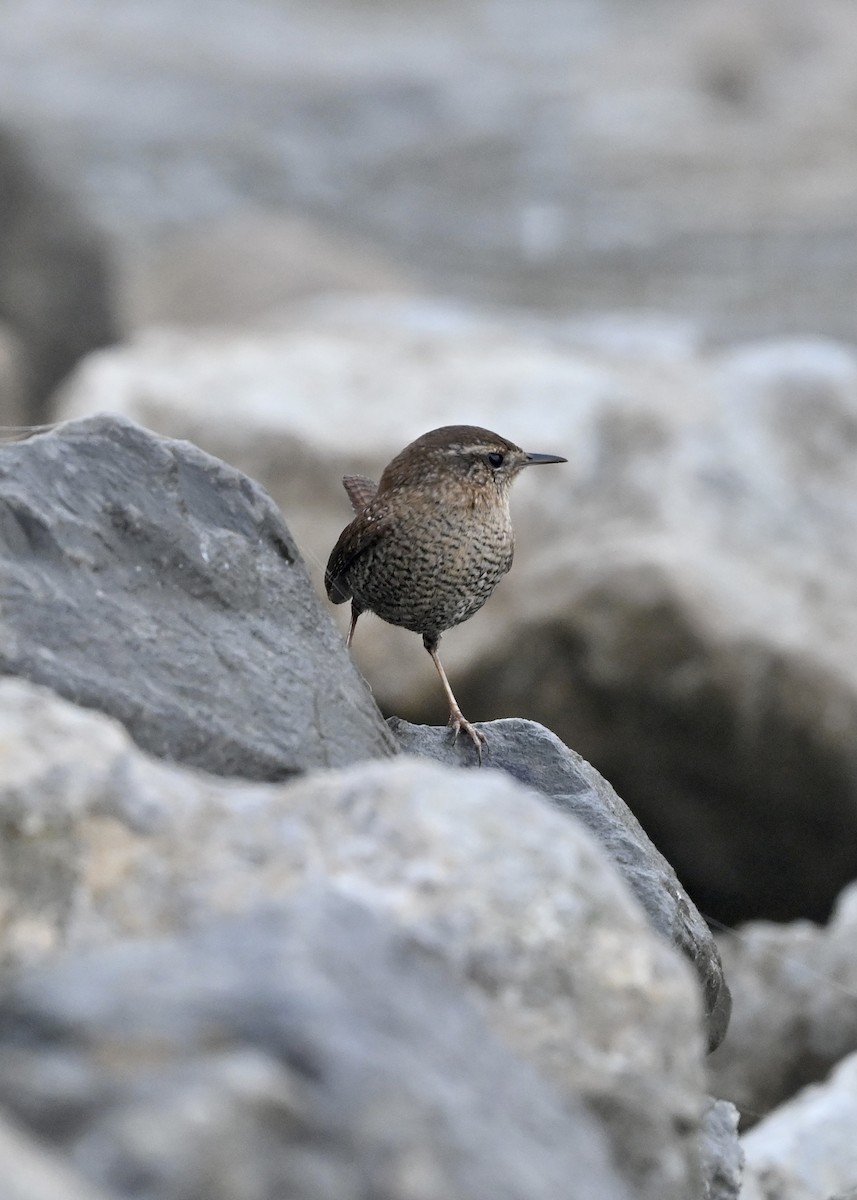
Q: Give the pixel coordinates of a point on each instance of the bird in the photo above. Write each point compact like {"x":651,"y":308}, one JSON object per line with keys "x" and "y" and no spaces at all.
{"x":432,"y":539}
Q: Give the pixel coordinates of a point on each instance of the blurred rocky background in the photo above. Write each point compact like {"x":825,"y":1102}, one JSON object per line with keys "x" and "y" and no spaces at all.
{"x":695,"y":158}
{"x":300,"y":234}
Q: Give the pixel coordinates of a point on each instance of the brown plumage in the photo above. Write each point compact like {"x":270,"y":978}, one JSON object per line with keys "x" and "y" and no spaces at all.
{"x":428,"y":546}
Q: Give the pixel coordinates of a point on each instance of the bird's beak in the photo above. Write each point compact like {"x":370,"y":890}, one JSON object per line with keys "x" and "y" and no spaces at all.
{"x":535,"y":459}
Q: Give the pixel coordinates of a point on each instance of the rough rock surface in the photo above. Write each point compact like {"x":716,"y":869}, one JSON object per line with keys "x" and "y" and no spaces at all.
{"x":54,"y":277}
{"x":308,"y":1051}
{"x":535,"y":757}
{"x":150,"y":581}
{"x":795,"y":1008}
{"x":806,"y":1149}
{"x":99,"y":841}
{"x":721,"y":1156}
{"x":681,"y":609}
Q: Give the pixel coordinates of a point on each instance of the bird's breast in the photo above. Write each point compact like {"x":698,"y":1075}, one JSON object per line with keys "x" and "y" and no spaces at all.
{"x":436,"y":564}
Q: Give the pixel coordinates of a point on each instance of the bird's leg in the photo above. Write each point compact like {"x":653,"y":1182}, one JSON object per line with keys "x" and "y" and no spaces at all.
{"x":456,"y":717}
{"x":355,"y":613}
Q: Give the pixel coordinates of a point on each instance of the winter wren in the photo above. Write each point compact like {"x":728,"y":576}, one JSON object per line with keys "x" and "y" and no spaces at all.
{"x":432,"y":540}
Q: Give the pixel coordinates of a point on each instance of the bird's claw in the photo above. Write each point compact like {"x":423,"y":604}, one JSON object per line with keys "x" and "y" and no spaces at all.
{"x":457,"y":722}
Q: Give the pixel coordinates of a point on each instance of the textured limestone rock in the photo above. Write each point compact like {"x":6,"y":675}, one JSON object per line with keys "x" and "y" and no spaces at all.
{"x":308,"y":1051}
{"x":532,"y":754}
{"x":148,"y":580}
{"x":722,"y":1159}
{"x":101,"y":841}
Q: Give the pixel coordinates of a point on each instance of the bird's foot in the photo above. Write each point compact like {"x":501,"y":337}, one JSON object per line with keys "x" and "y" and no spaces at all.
{"x":457,"y":722}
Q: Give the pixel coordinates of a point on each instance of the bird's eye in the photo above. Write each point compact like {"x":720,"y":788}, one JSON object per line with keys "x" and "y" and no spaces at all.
{"x":495,"y":459}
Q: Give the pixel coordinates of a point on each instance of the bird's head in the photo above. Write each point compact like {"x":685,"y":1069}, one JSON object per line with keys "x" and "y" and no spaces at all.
{"x":468,"y":454}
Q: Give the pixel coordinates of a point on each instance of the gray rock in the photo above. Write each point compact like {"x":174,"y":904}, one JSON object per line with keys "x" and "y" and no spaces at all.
{"x":795,"y":1012}
{"x":31,"y":1171}
{"x":55,"y":287}
{"x":309,"y":1051}
{"x":806,"y":1148}
{"x":721,"y":1156}
{"x":533,"y":755}
{"x":150,"y":581}
{"x":98,"y":840}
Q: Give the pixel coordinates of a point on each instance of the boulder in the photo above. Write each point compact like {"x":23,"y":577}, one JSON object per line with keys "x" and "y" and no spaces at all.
{"x":534,"y":756}
{"x":794,"y":1015}
{"x":152,"y":582}
{"x":308,"y":1050}
{"x":101,"y":841}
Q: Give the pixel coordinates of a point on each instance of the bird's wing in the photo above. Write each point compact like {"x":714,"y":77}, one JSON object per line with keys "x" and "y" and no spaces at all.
{"x":361,"y":491}
{"x":363,"y":532}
